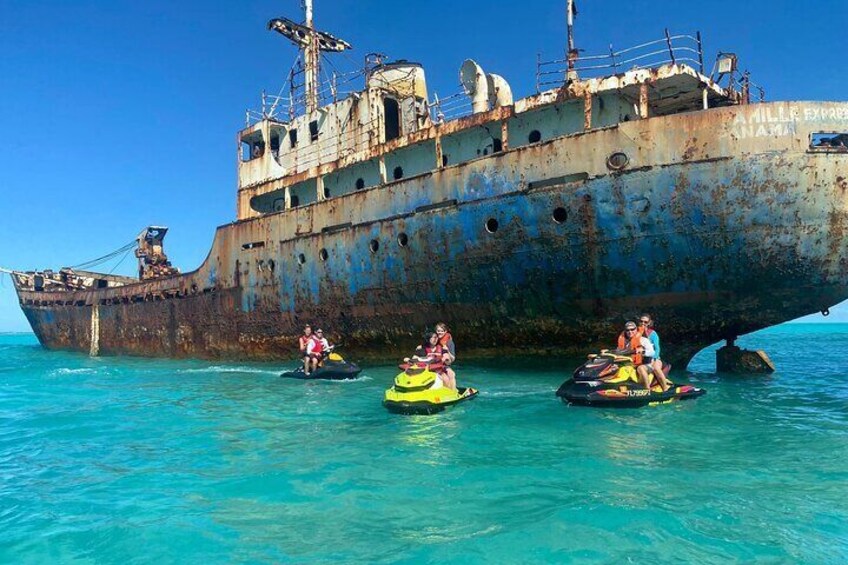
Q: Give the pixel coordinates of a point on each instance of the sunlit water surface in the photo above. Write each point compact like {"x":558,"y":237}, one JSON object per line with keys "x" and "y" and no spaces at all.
{"x":123,"y":460}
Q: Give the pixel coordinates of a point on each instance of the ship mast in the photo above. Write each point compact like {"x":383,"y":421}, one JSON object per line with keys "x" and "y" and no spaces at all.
{"x":312,"y":58}
{"x":571,"y":54}
{"x":311,"y":43}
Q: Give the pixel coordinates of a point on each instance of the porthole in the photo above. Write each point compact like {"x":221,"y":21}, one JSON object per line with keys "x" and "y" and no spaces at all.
{"x":301,"y":259}
{"x":323,"y":254}
{"x":617,"y":161}
{"x":535,"y":136}
{"x":397,"y":174}
{"x":403,"y":239}
{"x":360,"y":184}
{"x":271,"y":264}
{"x":374,"y":246}
{"x":491,"y":225}
{"x":560,"y":215}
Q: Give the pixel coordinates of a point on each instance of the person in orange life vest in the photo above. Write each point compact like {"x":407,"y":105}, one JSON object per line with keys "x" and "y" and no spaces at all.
{"x":642,"y":352}
{"x":317,"y":347}
{"x":446,"y":341}
{"x":631,"y":340}
{"x":646,"y":325}
{"x":303,"y":341}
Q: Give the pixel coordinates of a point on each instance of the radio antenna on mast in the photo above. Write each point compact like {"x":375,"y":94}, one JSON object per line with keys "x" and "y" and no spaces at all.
{"x":310,"y":42}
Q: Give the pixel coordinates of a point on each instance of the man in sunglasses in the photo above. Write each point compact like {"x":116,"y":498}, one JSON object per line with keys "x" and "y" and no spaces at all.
{"x":317,"y":348}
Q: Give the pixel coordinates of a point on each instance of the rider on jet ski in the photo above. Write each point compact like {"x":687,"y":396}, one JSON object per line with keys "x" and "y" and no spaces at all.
{"x":641,"y":350}
{"x":317,"y":348}
{"x":432,"y":353}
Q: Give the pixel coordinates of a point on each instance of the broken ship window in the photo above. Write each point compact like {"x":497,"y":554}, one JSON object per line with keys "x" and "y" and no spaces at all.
{"x":275,"y":142}
{"x":252,"y":146}
{"x":293,"y":138}
{"x":617,"y":161}
{"x":313,"y":130}
{"x":391,"y":109}
{"x":829,"y":141}
{"x":560,"y":215}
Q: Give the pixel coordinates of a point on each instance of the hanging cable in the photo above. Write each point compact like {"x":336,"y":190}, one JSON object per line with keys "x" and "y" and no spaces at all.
{"x":118,"y":264}
{"x":107,"y":257}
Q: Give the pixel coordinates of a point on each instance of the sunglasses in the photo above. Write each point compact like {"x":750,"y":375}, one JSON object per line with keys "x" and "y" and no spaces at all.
{"x":645,"y":322}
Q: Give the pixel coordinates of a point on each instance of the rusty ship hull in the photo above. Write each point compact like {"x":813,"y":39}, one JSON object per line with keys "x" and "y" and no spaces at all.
{"x":720,"y":222}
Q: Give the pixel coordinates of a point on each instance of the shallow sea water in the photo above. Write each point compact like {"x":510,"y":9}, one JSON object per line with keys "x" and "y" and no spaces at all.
{"x":124,"y":460}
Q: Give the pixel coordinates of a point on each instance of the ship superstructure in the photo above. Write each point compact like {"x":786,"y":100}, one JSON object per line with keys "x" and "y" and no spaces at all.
{"x":537,"y":223}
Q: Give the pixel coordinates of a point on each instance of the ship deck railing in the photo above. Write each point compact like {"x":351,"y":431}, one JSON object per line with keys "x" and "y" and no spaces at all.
{"x":334,"y":86}
{"x":671,"y":49}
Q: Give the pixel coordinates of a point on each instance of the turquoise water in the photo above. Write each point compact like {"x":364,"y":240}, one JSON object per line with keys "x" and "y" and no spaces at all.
{"x":116,"y":460}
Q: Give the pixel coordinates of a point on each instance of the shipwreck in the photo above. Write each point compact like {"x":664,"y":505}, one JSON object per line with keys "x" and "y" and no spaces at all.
{"x":637,"y":180}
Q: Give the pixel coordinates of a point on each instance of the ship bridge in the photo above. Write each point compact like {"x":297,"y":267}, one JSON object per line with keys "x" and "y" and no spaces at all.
{"x":392,"y":130}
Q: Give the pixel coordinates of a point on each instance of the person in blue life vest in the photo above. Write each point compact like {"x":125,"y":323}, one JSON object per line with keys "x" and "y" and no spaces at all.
{"x":646,"y":326}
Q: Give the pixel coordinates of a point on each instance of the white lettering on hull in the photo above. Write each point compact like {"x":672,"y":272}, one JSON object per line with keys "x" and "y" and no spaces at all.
{"x":780,"y":121}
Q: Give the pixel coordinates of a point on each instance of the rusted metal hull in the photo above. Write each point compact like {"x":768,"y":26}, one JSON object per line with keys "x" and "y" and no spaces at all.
{"x":723,"y":222}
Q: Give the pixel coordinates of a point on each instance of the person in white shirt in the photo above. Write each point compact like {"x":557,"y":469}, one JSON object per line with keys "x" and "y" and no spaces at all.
{"x":317,"y":348}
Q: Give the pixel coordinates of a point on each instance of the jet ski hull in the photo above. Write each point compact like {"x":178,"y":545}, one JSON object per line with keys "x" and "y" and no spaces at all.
{"x":600,"y":394}
{"x":429,"y":401}
{"x":336,"y":372}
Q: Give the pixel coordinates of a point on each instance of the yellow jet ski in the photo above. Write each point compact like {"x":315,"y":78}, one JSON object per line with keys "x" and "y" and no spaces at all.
{"x":419,"y":390}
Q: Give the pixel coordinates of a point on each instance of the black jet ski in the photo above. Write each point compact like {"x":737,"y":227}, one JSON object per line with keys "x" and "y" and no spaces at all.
{"x":609,"y":379}
{"x":333,"y":368}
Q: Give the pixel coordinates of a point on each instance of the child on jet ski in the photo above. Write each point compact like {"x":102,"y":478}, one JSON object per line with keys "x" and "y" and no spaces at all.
{"x":446,"y":341}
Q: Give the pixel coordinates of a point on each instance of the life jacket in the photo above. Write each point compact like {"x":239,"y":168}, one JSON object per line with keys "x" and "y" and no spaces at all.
{"x":634,"y":345}
{"x":445,"y":340}
{"x":304,"y":341}
{"x":317,"y":348}
{"x":435,"y":352}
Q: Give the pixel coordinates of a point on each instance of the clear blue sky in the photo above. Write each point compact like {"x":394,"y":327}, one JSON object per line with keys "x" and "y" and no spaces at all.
{"x":119,"y":114}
